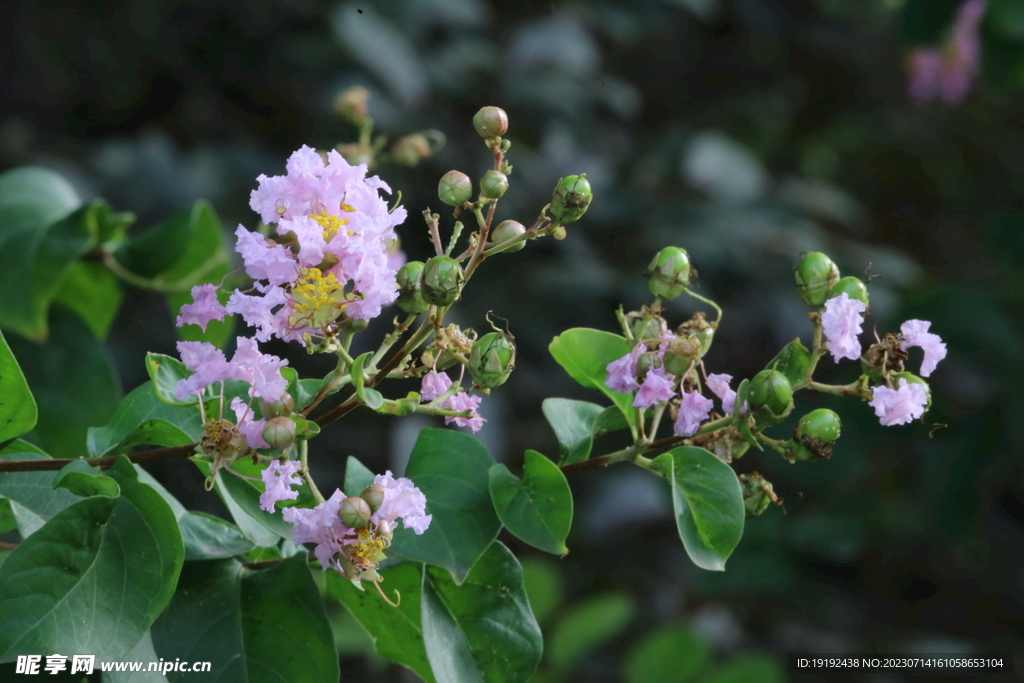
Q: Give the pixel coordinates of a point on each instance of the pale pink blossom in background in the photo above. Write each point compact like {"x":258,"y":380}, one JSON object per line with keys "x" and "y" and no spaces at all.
{"x":949,"y":72}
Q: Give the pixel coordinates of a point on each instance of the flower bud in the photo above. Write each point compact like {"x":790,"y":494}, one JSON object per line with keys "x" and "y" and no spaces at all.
{"x":455,"y":188}
{"x":494,"y":184}
{"x":279,"y":432}
{"x":814,"y":278}
{"x":771,"y":396}
{"x":851,"y":286}
{"x":406,"y":406}
{"x":681,"y":353}
{"x":351,"y":103}
{"x":374,"y":496}
{"x":441,"y":280}
{"x":509,"y":230}
{"x":490,"y":122}
{"x":353,"y":325}
{"x":559,"y":232}
{"x":355,"y":512}
{"x":815,"y":434}
{"x":282,"y":406}
{"x":492,"y":359}
{"x":410,"y":294}
{"x":669,"y":273}
{"x":571,"y":198}
{"x":409,"y":150}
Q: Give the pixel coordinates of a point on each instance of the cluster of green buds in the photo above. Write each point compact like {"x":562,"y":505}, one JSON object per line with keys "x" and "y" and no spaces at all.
{"x":817,"y":280}
{"x":771,"y":397}
{"x":283,"y":428}
{"x":360,"y":558}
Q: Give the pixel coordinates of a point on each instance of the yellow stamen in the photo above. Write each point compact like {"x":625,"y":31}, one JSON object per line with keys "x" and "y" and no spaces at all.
{"x":330,"y":223}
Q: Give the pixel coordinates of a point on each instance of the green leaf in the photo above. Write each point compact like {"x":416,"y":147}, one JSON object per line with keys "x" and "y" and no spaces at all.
{"x":32,"y":498}
{"x":708,"y":504}
{"x":152,"y":252}
{"x":18,"y":410}
{"x":370,"y":397}
{"x":7,"y":521}
{"x":205,"y":260}
{"x":670,"y":654}
{"x":74,"y":381}
{"x":588,"y":625}
{"x":792,"y":361}
{"x":258,"y":626}
{"x":242,"y":498}
{"x":204,"y":536}
{"x":577,"y":423}
{"x":488,"y":615}
{"x":450,"y":468}
{"x":41,"y":234}
{"x":111,"y":563}
{"x":585,"y":355}
{"x":85,"y":480}
{"x":165,"y":372}
{"x":93,"y":293}
{"x":142,"y":652}
{"x":742,"y":422}
{"x":142,"y":418}
{"x":357,"y":476}
{"x":538,"y":508}
{"x":396,"y":632}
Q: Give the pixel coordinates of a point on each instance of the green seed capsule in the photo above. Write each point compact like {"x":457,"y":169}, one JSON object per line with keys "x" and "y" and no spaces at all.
{"x":441,"y":281}
{"x":279,"y":432}
{"x":821,"y":426}
{"x":681,"y":353}
{"x":282,"y":406}
{"x":492,"y":359}
{"x":755,"y":496}
{"x":571,"y":198}
{"x":509,"y":230}
{"x":815,"y":275}
{"x":850,"y":286}
{"x":494,"y":184}
{"x":490,"y":122}
{"x":771,"y":396}
{"x":455,"y":188}
{"x":410,"y":293}
{"x":355,"y":512}
{"x":374,"y":496}
{"x":669,"y":273}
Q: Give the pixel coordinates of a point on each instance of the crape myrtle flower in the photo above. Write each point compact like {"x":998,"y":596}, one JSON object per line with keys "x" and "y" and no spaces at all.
{"x":208,"y":365}
{"x":693,"y":410}
{"x":719,"y":386}
{"x":334,"y":257}
{"x":658,"y":386}
{"x":205,"y":307}
{"x":279,"y":479}
{"x":435,"y":384}
{"x":899,"y":406}
{"x":948,"y":72}
{"x":915,"y":333}
{"x":841,"y":322}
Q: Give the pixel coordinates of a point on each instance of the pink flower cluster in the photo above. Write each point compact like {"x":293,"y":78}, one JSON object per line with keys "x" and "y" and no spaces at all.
{"x":949,"y":72}
{"x":660,"y":385}
{"x":322,"y":524}
{"x":899,"y":406}
{"x":435,"y":384}
{"x":332,"y":261}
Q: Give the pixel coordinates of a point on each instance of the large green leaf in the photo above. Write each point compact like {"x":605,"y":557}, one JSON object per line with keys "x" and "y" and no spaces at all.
{"x":108,"y":563}
{"x":142,"y":418}
{"x":40,"y":235}
{"x":73,"y":379}
{"x":492,"y":616}
{"x":242,"y":498}
{"x":18,"y":410}
{"x":708,"y":504}
{"x":204,"y":260}
{"x":142,"y":652}
{"x":204,"y":536}
{"x":93,"y":293}
{"x":450,"y":468}
{"x":264,"y":626}
{"x":537,"y":508}
{"x":481,"y":630}
{"x":357,"y":476}
{"x":578,"y":423}
{"x":585,"y":355}
{"x":396,"y":632}
{"x":32,"y":498}
{"x":587,"y":625}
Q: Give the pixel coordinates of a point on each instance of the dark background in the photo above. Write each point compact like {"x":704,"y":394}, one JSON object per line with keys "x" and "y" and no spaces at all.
{"x":746,"y":131}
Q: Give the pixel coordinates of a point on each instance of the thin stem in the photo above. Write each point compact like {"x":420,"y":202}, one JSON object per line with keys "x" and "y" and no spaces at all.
{"x":435,"y":232}
{"x":709,"y":302}
{"x":304,"y":458}
{"x":658,"y":412}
